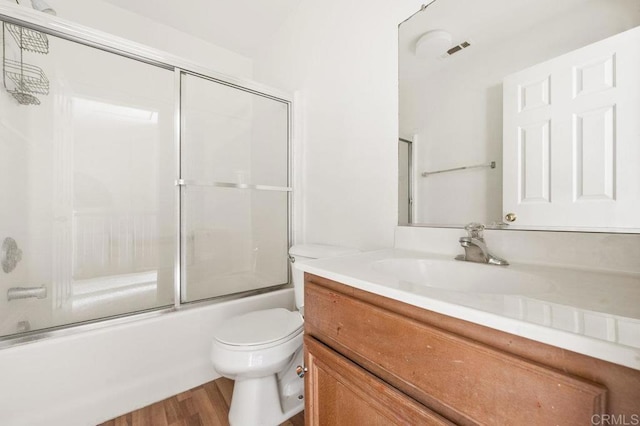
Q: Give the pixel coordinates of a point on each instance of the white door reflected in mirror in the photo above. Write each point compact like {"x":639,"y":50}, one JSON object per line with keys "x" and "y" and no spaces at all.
{"x":570,"y":141}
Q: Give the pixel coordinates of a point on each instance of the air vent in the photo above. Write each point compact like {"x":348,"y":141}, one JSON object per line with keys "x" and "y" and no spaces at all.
{"x":456,"y":49}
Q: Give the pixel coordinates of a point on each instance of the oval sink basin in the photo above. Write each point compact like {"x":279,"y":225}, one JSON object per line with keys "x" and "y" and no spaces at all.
{"x":462,"y":276}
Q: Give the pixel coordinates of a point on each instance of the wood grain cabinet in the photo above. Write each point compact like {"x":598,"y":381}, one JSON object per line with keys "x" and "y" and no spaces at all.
{"x":345,"y":394}
{"x":373,"y":360}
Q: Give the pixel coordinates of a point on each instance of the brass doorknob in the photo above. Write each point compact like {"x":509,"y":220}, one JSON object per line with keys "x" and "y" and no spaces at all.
{"x":510,"y":217}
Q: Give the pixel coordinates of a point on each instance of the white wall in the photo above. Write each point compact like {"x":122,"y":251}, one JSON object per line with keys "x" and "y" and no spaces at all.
{"x":341,"y":57}
{"x":123,"y":23}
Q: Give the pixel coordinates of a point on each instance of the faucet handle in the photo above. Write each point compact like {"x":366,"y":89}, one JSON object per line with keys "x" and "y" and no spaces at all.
{"x":474,"y":229}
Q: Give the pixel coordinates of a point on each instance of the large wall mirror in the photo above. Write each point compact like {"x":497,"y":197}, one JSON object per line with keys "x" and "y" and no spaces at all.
{"x":521,"y":115}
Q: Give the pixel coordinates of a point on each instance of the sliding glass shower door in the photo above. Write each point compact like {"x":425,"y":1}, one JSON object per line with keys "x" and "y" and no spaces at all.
{"x":111,"y":205}
{"x":235,"y":188}
{"x":87,"y":177}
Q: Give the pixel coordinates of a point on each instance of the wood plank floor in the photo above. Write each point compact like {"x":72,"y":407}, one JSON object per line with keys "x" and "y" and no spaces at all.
{"x":206,"y":405}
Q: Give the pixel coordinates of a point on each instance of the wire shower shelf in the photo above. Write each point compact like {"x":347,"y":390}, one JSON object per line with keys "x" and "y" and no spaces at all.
{"x":27,"y":78}
{"x":24,"y":98}
{"x":29,"y":40}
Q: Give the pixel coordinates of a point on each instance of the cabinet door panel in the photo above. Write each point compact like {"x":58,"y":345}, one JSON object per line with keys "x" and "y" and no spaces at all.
{"x":467,"y":381}
{"x":341,"y":393}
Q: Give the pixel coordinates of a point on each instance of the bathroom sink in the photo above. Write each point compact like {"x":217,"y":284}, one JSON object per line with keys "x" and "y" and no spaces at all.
{"x":460,"y":276}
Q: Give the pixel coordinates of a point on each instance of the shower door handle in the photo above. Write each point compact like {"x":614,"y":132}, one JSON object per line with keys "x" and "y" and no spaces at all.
{"x":26,"y":293}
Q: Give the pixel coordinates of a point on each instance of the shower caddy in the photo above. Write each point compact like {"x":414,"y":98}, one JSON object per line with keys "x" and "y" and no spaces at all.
{"x":28,"y":80}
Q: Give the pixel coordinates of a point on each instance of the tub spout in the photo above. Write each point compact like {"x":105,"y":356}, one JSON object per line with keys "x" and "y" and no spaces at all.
{"x":26,"y":293}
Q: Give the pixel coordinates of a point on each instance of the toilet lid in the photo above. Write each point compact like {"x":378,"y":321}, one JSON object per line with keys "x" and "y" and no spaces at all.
{"x":259,"y":327}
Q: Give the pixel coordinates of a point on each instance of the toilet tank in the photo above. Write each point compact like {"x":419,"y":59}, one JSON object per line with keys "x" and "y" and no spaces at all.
{"x":303,"y":253}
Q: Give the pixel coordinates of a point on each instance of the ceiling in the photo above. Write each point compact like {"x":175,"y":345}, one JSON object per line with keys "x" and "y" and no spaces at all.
{"x":237,"y":25}
{"x":488,"y":24}
{"x":488,"y":20}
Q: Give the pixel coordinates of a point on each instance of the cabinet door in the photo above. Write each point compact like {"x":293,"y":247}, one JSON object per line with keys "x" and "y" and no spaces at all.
{"x":339,"y":392}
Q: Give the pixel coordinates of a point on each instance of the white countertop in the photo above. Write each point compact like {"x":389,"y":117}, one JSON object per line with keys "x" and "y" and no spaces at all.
{"x":595,"y":313}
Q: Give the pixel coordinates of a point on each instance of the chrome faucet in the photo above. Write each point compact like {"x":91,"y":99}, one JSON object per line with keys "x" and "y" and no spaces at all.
{"x":475,"y":249}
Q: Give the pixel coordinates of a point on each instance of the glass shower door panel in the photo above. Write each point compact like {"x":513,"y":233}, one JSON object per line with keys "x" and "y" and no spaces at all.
{"x":236,"y":241}
{"x":232,"y":136}
{"x":87,"y":177}
{"x":235,"y":208}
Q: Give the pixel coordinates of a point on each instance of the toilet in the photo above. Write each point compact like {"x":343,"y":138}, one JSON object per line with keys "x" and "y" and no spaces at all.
{"x":260,"y":350}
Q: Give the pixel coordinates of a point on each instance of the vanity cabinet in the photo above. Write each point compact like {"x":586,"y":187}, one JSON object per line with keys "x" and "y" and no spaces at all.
{"x":373,"y":360}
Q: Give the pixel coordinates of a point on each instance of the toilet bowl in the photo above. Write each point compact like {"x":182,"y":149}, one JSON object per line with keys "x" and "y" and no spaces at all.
{"x":260,"y":350}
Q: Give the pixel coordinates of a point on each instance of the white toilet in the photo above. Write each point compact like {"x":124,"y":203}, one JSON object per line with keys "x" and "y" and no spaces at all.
{"x":260,"y":350}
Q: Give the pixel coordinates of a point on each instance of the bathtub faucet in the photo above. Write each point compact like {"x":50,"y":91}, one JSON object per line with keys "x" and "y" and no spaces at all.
{"x":475,"y":248}
{"x":26,"y":293}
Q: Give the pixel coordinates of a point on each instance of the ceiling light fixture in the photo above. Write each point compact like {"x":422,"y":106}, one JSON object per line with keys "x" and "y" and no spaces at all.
{"x":433,"y":44}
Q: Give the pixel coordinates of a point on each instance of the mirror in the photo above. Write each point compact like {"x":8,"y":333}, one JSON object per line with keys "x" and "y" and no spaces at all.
{"x":521,"y":115}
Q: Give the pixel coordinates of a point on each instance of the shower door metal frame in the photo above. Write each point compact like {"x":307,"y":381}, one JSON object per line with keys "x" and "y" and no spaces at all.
{"x":184,"y":183}
{"x":57,"y":27}
{"x":409,"y":177}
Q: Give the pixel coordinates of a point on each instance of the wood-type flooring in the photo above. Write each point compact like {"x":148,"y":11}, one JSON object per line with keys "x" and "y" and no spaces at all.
{"x":206,"y":405}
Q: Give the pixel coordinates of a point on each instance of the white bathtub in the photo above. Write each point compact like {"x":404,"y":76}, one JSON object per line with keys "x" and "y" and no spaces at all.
{"x":88,"y":378}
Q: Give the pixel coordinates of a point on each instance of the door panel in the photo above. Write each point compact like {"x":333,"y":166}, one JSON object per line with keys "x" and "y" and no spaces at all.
{"x":534,"y":162}
{"x":594,"y":158}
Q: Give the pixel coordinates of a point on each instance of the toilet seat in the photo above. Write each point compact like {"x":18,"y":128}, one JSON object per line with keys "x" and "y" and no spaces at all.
{"x":259,"y":329}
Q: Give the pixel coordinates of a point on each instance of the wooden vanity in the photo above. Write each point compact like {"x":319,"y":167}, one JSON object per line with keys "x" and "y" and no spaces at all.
{"x":373,"y":361}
